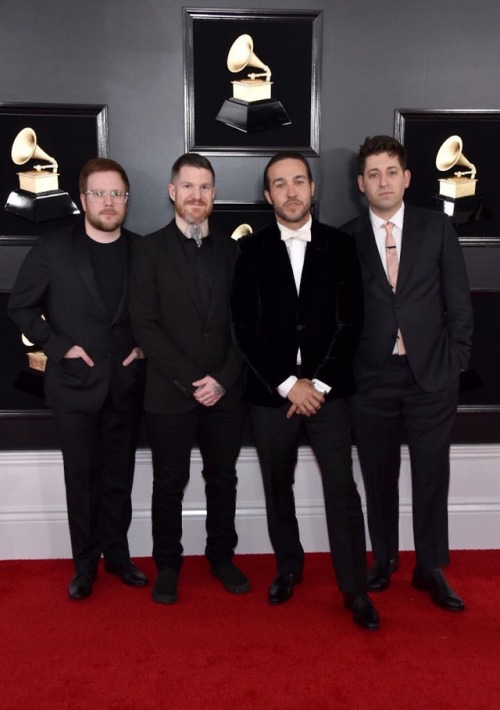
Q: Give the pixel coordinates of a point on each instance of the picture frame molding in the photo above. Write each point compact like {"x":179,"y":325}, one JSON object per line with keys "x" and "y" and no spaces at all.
{"x":193,"y":14}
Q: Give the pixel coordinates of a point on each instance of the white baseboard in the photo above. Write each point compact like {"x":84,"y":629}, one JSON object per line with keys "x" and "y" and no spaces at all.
{"x":33,"y":521}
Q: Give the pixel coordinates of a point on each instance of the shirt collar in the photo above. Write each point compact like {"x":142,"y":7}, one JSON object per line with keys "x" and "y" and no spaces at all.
{"x":396,"y":219}
{"x":286,"y":232}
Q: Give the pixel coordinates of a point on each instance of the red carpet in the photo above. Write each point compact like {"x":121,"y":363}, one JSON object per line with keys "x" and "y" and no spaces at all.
{"x":118,"y":650}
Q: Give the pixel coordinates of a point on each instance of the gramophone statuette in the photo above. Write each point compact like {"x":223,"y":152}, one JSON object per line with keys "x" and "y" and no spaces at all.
{"x":251,"y":107}
{"x":463,"y":183}
{"x":38,"y":198}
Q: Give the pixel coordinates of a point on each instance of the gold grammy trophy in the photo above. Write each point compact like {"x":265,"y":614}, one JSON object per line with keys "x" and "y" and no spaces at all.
{"x":38,"y":198}
{"x":241,"y":231}
{"x":449,"y":155}
{"x":251,"y":108}
{"x":457,"y":193}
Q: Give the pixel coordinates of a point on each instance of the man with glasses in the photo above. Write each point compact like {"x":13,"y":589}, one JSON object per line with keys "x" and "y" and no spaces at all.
{"x":71,"y":299}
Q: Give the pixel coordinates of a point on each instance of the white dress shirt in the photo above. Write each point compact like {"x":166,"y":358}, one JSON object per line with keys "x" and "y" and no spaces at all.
{"x":296,"y":248}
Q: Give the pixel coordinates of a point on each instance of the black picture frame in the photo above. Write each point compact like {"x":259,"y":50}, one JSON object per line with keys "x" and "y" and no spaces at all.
{"x":423,"y":132}
{"x":289,"y":42}
{"x":70,"y":133}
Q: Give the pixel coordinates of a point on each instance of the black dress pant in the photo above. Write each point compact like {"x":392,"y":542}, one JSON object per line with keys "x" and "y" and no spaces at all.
{"x":99,"y":457}
{"x":378,"y":418}
{"x":329,"y":435}
{"x":218,"y":433}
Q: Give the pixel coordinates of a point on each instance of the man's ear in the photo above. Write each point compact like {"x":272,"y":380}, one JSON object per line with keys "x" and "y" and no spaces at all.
{"x":361,"y":183}
{"x":268,"y":197}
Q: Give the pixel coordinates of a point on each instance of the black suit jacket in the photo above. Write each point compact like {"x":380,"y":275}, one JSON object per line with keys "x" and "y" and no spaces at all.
{"x":271,"y":321}
{"x":431,"y":305}
{"x":181,"y":345}
{"x":56,"y":280}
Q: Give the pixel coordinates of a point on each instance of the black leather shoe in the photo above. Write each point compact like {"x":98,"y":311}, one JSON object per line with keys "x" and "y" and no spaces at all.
{"x":281,"y":590}
{"x":434,"y":582}
{"x":363,"y":612}
{"x":80,"y":586}
{"x":128,"y":573}
{"x":165,"y":587}
{"x":379,"y":574}
{"x":231,"y":577}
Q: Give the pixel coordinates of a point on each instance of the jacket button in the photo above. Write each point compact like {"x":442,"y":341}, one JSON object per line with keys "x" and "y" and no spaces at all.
{"x":300,"y":326}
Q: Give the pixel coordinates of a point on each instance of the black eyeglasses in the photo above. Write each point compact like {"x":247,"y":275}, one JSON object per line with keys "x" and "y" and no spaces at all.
{"x":117,"y":196}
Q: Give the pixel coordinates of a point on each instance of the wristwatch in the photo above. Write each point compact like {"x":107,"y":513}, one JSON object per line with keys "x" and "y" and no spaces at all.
{"x":320,"y":388}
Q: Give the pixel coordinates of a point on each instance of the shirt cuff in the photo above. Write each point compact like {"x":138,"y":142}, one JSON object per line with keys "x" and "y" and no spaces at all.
{"x":285,"y":387}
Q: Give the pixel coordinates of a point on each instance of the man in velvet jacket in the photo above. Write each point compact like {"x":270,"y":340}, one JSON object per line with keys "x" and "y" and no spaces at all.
{"x":194,"y":384}
{"x":296,"y":313}
{"x":416,"y":339}
{"x":71,"y":299}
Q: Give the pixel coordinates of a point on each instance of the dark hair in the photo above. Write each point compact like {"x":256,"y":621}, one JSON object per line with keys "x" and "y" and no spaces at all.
{"x":193,"y":160}
{"x":381,"y":144}
{"x":100,"y":165}
{"x":286,"y":155}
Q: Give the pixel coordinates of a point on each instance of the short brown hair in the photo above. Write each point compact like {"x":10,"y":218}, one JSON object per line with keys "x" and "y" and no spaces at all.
{"x":286,"y":155}
{"x":381,"y":144}
{"x":100,"y":165}
{"x":192,"y":160}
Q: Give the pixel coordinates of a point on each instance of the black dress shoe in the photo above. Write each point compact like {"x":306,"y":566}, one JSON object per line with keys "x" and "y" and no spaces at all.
{"x":80,"y":586}
{"x":231,"y":577}
{"x":281,"y":590}
{"x":434,"y":582}
{"x":363,"y":612}
{"x":128,"y":573}
{"x":165,"y":587}
{"x":379,"y":574}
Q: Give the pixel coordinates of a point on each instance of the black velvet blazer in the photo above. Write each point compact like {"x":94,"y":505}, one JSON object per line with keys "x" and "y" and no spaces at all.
{"x":271,"y":321}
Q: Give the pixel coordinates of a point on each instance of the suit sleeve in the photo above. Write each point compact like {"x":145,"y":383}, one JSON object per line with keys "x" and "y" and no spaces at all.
{"x":26,"y":304}
{"x":456,"y":293}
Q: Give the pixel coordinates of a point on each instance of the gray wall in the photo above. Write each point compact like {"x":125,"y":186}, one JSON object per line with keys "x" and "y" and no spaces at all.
{"x":128,"y":54}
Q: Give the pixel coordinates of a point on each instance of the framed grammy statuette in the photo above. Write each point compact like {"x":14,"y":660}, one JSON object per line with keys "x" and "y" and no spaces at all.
{"x":42,"y":150}
{"x":252,"y":80}
{"x":453,"y":157}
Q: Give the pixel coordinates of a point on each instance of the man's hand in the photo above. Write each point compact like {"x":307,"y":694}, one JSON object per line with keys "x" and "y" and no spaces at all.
{"x":304,"y":398}
{"x":208,"y":391}
{"x":136,"y":354}
{"x":75,"y":352}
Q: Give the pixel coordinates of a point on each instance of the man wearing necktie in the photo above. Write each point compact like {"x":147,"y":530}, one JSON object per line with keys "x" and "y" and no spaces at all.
{"x":296,"y":312}
{"x":181,"y":277}
{"x":416,"y":339}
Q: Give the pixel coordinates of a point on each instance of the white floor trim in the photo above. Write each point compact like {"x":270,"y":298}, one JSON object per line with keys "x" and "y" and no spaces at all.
{"x":33,"y":521}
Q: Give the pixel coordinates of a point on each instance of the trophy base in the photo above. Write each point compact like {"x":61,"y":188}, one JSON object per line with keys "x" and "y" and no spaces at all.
{"x":249,"y":117}
{"x":462,"y":210}
{"x":41,"y":207}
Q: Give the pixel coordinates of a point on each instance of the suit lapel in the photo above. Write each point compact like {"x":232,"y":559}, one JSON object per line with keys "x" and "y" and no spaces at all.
{"x":176,"y":255}
{"x":369,"y":253}
{"x":276,"y":255}
{"x":123,"y":304}
{"x":413,"y":232}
